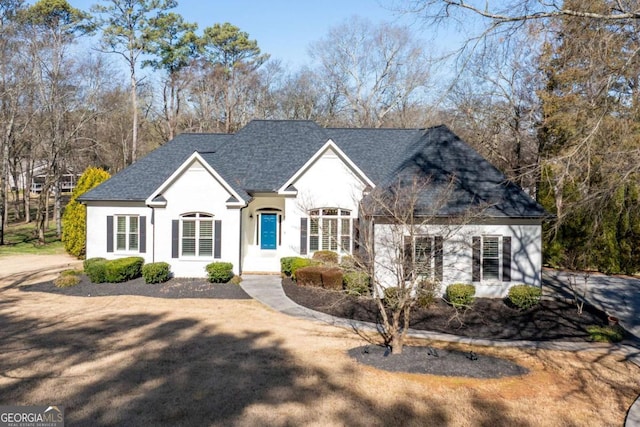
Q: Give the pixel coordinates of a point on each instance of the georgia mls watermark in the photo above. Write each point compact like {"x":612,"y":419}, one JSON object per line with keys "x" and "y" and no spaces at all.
{"x":31,"y":416}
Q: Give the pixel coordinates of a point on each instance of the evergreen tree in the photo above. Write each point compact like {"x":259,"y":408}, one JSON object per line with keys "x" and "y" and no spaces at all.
{"x":74,"y":220}
{"x":588,"y":134}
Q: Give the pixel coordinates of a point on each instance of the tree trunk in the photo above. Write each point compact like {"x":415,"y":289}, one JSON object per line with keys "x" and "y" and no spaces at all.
{"x":134,"y":106}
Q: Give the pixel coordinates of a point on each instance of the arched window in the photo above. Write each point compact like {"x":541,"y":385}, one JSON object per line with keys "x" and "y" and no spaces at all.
{"x":330,"y":230}
{"x":197,"y":234}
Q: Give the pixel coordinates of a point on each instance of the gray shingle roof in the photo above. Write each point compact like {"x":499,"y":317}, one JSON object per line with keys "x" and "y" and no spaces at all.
{"x":264,"y":155}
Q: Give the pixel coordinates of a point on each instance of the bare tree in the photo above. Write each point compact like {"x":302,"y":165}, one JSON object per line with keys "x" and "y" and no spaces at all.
{"x":408,"y":262}
{"x":125,"y":30}
{"x":369,"y":71}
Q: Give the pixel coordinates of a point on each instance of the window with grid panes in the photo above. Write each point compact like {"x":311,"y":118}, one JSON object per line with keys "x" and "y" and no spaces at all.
{"x":330,"y":229}
{"x":197,"y":235}
{"x":127,"y":233}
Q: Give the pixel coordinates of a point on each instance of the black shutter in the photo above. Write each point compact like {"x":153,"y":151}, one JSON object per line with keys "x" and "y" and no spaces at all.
{"x":143,"y":234}
{"x":109,"y":233}
{"x":217,"y":235}
{"x":506,"y":259}
{"x":356,"y":235}
{"x":303,"y":236}
{"x":175,"y":238}
{"x":407,"y":258}
{"x":475,"y":249}
{"x":438,"y":257}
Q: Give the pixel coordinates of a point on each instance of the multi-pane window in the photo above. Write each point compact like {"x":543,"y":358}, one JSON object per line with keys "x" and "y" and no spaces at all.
{"x":197,"y":235}
{"x":422,"y":257}
{"x":330,"y":229}
{"x":490,"y":258}
{"x":127,"y":233}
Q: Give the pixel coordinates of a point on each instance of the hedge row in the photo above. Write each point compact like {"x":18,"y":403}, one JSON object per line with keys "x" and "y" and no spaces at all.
{"x":100,"y":270}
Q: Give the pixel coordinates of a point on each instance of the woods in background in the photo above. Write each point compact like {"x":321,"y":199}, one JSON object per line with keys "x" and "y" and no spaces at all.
{"x":547,"y":92}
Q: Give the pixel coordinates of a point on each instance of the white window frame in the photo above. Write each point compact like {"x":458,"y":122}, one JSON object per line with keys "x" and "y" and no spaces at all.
{"x":430,"y":270}
{"x":127,"y":233}
{"x":320,"y":222}
{"x":198,"y":218}
{"x":484,"y":256}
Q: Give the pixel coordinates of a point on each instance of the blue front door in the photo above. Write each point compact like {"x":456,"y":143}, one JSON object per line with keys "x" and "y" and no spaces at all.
{"x":268,"y":230}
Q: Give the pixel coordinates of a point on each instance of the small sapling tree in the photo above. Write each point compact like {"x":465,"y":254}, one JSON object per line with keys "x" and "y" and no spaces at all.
{"x":412,"y":225}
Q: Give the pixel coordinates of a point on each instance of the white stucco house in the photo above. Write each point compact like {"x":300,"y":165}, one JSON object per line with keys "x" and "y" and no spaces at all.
{"x":290,"y":188}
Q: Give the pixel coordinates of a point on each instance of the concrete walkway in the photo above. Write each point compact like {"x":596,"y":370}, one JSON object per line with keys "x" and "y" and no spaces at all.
{"x":268,"y":290}
{"x":615,"y":295}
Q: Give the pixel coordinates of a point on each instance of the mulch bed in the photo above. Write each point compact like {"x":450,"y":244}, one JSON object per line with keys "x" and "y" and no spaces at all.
{"x":551,"y":320}
{"x":437,"y":361}
{"x":174,"y":288}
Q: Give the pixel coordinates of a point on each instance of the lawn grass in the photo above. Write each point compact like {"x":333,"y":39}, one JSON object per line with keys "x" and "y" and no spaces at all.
{"x":22,"y":239}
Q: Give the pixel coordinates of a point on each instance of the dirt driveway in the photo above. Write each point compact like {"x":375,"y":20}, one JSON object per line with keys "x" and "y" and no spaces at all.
{"x":144,"y":361}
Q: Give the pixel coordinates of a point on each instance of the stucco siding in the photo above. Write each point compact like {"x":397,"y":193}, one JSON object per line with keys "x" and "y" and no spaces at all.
{"x":526,"y":254}
{"x":196,"y":191}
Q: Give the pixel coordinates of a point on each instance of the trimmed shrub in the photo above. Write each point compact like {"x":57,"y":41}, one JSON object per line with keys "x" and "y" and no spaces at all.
{"x":357,"y":283}
{"x":606,"y":333}
{"x":326,"y":257}
{"x":67,"y":279}
{"x":320,"y":276}
{"x":285,"y":264}
{"x":391,"y":297}
{"x":332,"y":278}
{"x":426,"y":293}
{"x":309,"y":276}
{"x":298,"y":263}
{"x":74,"y":218}
{"x":235,"y":280}
{"x":219,"y":272}
{"x":96,"y":269}
{"x":525,"y":296}
{"x":123,"y":269}
{"x":460,"y":294}
{"x":156,"y":272}
{"x":348,"y":263}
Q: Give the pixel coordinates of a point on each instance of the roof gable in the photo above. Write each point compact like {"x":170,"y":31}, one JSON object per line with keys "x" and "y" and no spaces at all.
{"x":329,"y":145}
{"x":234,"y":199}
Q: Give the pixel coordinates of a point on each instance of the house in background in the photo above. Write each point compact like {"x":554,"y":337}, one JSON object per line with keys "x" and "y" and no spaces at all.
{"x":290,"y":188}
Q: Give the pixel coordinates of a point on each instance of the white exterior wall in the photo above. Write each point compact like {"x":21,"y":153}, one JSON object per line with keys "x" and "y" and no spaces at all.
{"x":526,"y":254}
{"x":256,"y":259}
{"x":196,"y":190}
{"x":97,"y":213}
{"x":327,"y":182}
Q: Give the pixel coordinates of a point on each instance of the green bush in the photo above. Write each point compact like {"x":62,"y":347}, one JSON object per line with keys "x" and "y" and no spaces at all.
{"x":156,"y":272}
{"x":606,"y":333}
{"x":326,"y":257}
{"x":67,"y":279}
{"x":219,"y":272}
{"x":426,"y":293}
{"x":524,"y":296}
{"x":298,"y":263}
{"x":391,"y":297}
{"x":74,"y":218}
{"x":96,"y":269}
{"x":123,"y":269}
{"x":460,"y":294}
{"x":357,"y":283}
{"x":285,"y":265}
